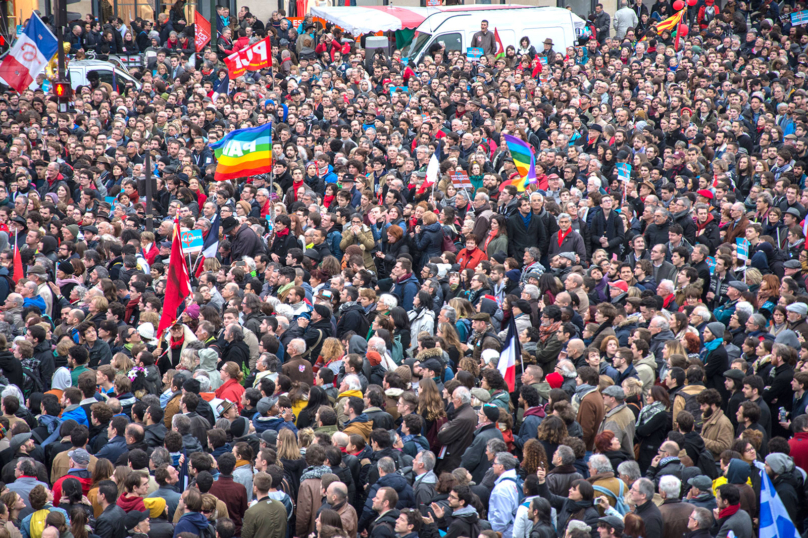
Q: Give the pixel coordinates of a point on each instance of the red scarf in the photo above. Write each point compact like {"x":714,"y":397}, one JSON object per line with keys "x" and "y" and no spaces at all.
{"x":729,"y":511}
{"x":295,"y":186}
{"x":282,"y":233}
{"x":176,"y":344}
{"x":563,"y":235}
{"x":701,"y":226}
{"x":327,"y":201}
{"x":668,"y":300}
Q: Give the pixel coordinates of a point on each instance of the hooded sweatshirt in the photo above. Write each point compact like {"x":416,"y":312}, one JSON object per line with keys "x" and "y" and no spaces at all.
{"x":192,"y":522}
{"x":207,"y":362}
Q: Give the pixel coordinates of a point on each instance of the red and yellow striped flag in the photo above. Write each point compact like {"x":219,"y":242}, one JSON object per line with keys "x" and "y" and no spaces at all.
{"x":670,"y":24}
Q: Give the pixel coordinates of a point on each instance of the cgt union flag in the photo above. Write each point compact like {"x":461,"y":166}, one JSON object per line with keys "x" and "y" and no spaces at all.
{"x":201,"y":31}
{"x":507,"y":360}
{"x":31,"y":53}
{"x":253,"y":58}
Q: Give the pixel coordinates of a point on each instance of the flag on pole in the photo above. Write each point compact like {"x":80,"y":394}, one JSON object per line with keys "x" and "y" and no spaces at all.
{"x":670,"y":24}
{"x":17,"y":261}
{"x":201,"y":31}
{"x":244,"y":153}
{"x":252,"y":58}
{"x":210,"y":246}
{"x":774,"y":520}
{"x":500,"y":49}
{"x":35,"y":47}
{"x":507,"y":360}
{"x":178,"y":284}
{"x":522,"y":155}
{"x":220,"y":87}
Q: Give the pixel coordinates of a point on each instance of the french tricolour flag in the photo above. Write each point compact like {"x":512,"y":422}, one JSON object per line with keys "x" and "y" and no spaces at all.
{"x":31,"y":53}
{"x":510,"y":354}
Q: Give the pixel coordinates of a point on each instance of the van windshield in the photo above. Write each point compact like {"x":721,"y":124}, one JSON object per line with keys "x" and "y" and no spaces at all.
{"x":419,"y":41}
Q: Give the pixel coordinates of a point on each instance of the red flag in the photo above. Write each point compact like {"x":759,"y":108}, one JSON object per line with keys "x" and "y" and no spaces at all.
{"x":500,"y":53}
{"x":17,"y":261}
{"x":178,"y":285}
{"x":252,"y":58}
{"x":201,"y":31}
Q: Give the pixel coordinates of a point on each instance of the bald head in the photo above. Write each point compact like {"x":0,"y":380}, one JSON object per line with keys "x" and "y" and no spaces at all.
{"x":670,"y":448}
{"x":575,"y":347}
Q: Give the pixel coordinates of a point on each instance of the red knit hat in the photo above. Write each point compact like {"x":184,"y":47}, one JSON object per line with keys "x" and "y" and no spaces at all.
{"x":555,"y":380}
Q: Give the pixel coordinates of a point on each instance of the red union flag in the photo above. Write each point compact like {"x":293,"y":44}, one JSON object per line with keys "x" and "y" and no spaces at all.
{"x":252,"y":58}
{"x":201,"y":31}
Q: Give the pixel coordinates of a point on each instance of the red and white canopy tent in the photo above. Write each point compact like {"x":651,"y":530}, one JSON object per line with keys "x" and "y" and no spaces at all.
{"x":359,"y":20}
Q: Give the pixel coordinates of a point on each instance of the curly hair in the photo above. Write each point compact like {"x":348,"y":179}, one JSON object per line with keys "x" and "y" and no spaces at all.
{"x":534,"y":456}
{"x":553,"y":430}
{"x":692,"y":343}
{"x":332,"y":349}
{"x":470,"y":365}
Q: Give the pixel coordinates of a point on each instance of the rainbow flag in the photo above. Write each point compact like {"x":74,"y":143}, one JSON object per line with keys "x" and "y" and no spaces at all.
{"x":522,"y":155}
{"x":243,"y":153}
{"x":500,"y":49}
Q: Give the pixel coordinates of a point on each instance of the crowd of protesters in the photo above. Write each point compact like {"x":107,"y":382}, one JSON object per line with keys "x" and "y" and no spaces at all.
{"x":336,"y":370}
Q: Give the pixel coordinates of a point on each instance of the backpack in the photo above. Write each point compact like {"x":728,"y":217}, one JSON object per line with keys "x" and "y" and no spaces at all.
{"x":620,"y":504}
{"x":693,"y":407}
{"x":709,"y":14}
{"x":32,"y":382}
{"x":707,"y":464}
{"x":520,"y":488}
{"x":397,"y":350}
{"x":208,"y":532}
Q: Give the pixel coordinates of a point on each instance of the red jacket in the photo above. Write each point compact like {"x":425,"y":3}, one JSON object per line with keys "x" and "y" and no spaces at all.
{"x":151,"y":254}
{"x":469,"y":260}
{"x":231,"y":390}
{"x":130,"y":502}
{"x":799,"y":449}
{"x":85,"y":481}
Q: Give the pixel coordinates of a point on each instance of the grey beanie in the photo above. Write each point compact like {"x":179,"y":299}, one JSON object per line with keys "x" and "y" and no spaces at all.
{"x":717,"y":328}
{"x":789,"y":338}
{"x":780,"y":463}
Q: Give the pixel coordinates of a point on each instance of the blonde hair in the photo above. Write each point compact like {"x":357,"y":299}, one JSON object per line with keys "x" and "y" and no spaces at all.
{"x":121,"y":363}
{"x":305,"y":437}
{"x":233,"y":370}
{"x":429,"y":218}
{"x":332,"y":348}
{"x":632,"y":387}
{"x":287,"y":445}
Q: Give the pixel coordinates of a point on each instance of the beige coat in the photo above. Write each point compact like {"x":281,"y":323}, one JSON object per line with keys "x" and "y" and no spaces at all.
{"x":717,"y":433}
{"x":620,"y":420}
{"x":679,"y":401}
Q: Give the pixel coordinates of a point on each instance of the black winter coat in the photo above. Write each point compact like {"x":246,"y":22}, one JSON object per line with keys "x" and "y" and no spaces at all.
{"x":281,"y":245}
{"x":650,"y":436}
{"x":245,"y":242}
{"x":521,"y":238}
{"x":711,"y":237}
{"x":237,"y":352}
{"x":569,"y":510}
{"x":12,"y":368}
{"x":391,"y":251}
{"x":353,"y":319}
{"x":612,"y":229}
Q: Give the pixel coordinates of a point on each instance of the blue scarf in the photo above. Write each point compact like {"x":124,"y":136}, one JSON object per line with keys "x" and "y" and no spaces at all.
{"x":527,"y":219}
{"x":710,"y":346}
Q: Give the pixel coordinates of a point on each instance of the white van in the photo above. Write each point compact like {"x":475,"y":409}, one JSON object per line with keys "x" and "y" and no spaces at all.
{"x":455,"y":29}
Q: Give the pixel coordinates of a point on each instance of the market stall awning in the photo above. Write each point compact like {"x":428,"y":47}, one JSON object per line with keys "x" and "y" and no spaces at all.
{"x":369,"y":19}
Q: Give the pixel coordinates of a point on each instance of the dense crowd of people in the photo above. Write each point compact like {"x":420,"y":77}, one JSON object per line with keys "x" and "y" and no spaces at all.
{"x":336,"y":369}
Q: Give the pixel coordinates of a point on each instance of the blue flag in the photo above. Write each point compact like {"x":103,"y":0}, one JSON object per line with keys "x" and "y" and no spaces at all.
{"x":774,"y":519}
